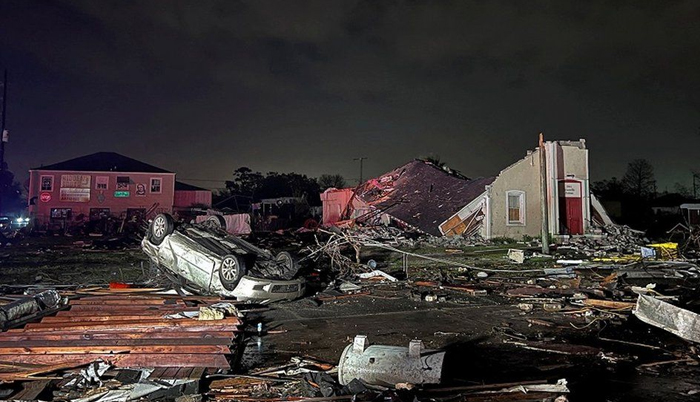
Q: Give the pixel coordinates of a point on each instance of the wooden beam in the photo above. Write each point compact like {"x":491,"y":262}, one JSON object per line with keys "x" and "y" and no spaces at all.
{"x":118,"y":342}
{"x":96,"y":335}
{"x":78,"y":350}
{"x":93,"y":313}
{"x":133,"y":325}
{"x":100,"y":301}
{"x":134,"y":360}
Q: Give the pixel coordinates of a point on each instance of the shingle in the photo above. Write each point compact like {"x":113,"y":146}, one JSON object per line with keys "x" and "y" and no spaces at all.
{"x":421,"y":194}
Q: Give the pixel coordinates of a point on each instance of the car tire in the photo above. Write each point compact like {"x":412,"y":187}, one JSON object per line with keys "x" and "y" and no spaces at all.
{"x":215,"y":221}
{"x":231,"y":271}
{"x":161,"y":226}
{"x":288,"y":267}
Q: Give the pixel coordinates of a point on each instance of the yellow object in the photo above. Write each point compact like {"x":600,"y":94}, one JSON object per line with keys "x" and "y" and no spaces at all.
{"x":621,"y":259}
{"x":665,"y":251}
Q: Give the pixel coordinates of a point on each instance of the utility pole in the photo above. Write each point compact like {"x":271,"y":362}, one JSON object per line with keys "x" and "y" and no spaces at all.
{"x":543,"y":197}
{"x":2,"y":138}
{"x":361,"y":159}
{"x":695,"y":185}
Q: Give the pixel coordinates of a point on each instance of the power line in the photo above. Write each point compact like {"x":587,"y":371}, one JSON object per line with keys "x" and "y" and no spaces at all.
{"x":361,"y":159}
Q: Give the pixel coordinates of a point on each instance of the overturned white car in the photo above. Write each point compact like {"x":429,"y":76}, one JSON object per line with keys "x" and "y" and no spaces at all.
{"x":205,"y":259}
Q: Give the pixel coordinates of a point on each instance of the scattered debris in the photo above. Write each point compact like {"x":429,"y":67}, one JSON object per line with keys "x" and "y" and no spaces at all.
{"x":377,"y":274}
{"x":517,"y":256}
{"x":676,"y":320}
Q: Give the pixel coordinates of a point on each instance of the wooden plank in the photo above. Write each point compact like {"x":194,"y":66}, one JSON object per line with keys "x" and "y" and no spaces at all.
{"x":41,"y":369}
{"x":121,"y":312}
{"x":209,"y":331}
{"x":139,"y":292}
{"x":170,"y":373}
{"x":125,"y":301}
{"x":160,"y":349}
{"x":93,"y":318}
{"x":30,"y":390}
{"x":184,"y":372}
{"x":134,"y":360}
{"x":197,"y":373}
{"x":119,"y":342}
{"x":136,"y":329}
{"x":133,"y":325}
{"x":127,"y":307}
{"x":616,"y":305}
{"x":96,"y":335}
{"x":157,"y":373}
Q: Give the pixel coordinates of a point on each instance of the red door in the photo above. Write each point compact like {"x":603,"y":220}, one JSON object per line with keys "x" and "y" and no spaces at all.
{"x":571,"y":207}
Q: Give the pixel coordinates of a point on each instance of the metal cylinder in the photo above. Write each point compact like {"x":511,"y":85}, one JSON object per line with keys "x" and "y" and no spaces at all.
{"x":389,"y":365}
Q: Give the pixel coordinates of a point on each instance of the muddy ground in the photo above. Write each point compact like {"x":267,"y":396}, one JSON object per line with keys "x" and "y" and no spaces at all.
{"x":483,"y":335}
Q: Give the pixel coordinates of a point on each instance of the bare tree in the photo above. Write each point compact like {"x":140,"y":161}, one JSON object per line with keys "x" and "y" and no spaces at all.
{"x":326,"y":181}
{"x":434,"y":159}
{"x":639,"y":180}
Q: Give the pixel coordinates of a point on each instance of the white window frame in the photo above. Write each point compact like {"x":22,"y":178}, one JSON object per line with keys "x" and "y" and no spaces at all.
{"x":41,"y":182}
{"x":122,"y":186}
{"x":160,"y":185}
{"x":521,"y":196}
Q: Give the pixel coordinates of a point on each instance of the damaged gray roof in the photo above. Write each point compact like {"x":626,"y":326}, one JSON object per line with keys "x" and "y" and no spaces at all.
{"x":421,"y":194}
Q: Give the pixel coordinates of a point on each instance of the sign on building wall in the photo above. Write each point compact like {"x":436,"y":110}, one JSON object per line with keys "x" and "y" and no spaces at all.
{"x":71,"y":181}
{"x":101,"y":182}
{"x":75,"y":194}
{"x":121,"y":194}
{"x":572,"y":190}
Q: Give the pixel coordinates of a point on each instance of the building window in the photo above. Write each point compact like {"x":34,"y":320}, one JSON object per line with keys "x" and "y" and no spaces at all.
{"x":99,"y":213}
{"x":123,"y":182}
{"x":46,"y":183}
{"x":61,"y":213}
{"x":515,"y":204}
{"x":155,"y":185}
{"x":101,"y":182}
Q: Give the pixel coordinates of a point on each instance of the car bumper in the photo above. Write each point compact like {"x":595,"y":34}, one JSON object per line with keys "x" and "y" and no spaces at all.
{"x":258,"y":290}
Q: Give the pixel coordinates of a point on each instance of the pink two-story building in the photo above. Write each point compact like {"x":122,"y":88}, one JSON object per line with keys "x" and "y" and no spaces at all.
{"x":97,"y":185}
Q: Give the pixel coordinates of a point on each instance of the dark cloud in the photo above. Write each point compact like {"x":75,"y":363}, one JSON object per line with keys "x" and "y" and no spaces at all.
{"x":205,"y":87}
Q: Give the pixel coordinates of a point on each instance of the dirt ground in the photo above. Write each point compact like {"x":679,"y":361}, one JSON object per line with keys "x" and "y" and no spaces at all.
{"x":485,"y":336}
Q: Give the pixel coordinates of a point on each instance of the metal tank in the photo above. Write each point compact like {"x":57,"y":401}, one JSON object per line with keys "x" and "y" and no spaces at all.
{"x":389,"y":365}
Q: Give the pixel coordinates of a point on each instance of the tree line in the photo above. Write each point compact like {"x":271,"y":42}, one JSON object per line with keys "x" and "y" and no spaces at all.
{"x":249,"y":186}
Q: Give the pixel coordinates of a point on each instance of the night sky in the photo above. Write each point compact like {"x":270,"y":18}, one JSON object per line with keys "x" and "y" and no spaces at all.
{"x":203,"y":87}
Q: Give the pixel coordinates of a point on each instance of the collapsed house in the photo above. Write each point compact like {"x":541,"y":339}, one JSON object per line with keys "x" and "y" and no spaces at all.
{"x":422,"y":196}
{"x":417,"y":196}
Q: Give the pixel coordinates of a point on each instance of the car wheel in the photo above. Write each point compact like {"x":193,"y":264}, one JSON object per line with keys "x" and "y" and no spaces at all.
{"x":231,"y":271}
{"x":216,"y":222}
{"x":161,"y":226}
{"x":288,"y":267}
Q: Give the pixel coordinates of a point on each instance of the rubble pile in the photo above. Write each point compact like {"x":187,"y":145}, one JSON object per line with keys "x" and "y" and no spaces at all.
{"x":617,"y":239}
{"x":420,"y":297}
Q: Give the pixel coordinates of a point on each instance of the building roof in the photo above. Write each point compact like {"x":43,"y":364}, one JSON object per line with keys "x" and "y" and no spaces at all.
{"x":180,"y":186}
{"x":104,"y":162}
{"x":421,"y":194}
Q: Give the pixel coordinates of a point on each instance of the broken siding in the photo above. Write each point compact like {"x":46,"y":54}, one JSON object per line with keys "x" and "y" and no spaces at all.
{"x":335,"y":201}
{"x":469,"y":220}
